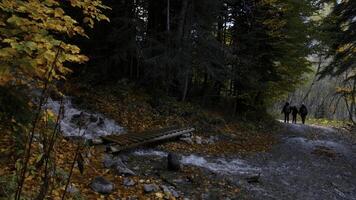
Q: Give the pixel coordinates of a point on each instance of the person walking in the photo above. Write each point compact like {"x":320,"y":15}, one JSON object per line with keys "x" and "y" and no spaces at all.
{"x":294,"y":114}
{"x":303,"y":111}
{"x":286,"y":111}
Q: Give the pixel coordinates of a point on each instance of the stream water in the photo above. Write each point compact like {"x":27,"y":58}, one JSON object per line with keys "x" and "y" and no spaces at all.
{"x":93,"y":124}
{"x":217,"y":165}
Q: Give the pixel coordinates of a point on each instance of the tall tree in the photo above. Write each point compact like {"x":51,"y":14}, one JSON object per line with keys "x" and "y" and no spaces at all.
{"x":341,"y":24}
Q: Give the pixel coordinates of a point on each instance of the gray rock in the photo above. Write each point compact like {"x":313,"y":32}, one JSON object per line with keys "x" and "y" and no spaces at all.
{"x":187,"y":135}
{"x":198,"y":140}
{"x":120,"y":168}
{"x":187,"y":140}
{"x":72,"y":189}
{"x":96,"y":141}
{"x":101,"y":185}
{"x":148,"y":188}
{"x":174,"y":193}
{"x":117,"y":165}
{"x":128,"y":182}
{"x":108,"y":161}
{"x":165,"y":189}
{"x":173,"y":162}
{"x":169,"y":191}
{"x":124,"y":157}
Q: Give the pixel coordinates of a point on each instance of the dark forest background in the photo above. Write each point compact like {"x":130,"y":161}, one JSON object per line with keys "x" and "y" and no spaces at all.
{"x":237,"y":55}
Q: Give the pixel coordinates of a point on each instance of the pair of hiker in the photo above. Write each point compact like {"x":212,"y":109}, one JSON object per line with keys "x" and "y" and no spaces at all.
{"x":287,"y":109}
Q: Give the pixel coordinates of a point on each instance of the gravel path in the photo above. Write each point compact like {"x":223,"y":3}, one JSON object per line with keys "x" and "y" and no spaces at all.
{"x":310,"y":162}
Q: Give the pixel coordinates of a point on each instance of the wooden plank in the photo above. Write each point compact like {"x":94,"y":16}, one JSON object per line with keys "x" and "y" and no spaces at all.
{"x":118,"y":148}
{"x":147,"y":134}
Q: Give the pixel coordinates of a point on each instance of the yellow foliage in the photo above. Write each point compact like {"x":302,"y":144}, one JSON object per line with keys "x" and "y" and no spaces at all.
{"x":27,"y":42}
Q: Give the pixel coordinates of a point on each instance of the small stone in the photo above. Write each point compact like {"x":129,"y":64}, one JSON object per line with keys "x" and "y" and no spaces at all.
{"x":159,"y":195}
{"x":72,"y":189}
{"x":128,"y":182}
{"x":165,"y":189}
{"x":148,"y":188}
{"x":101,"y":185}
{"x":178,"y":180}
{"x":108,"y":161}
{"x":174,"y":193}
{"x":96,"y":141}
{"x":198,"y":140}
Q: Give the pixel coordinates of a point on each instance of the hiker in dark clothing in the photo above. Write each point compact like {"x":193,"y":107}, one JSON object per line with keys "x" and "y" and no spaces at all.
{"x":286,"y":110}
{"x":303,"y":111}
{"x":294,"y":114}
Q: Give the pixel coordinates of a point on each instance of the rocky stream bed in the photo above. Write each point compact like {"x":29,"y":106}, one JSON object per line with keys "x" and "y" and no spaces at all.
{"x":308,"y":162}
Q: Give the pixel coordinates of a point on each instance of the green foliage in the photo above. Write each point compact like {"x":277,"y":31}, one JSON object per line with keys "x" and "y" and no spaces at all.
{"x":341,"y":26}
{"x":326,"y":122}
{"x":271,"y":49}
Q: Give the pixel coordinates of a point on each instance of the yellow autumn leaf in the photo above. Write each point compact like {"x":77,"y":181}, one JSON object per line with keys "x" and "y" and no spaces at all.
{"x":58,"y":12}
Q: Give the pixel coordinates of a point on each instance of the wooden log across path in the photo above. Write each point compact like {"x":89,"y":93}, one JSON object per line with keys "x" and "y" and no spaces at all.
{"x":132,"y":140}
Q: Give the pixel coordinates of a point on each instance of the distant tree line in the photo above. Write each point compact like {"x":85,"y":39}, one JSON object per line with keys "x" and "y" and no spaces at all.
{"x":242,"y":54}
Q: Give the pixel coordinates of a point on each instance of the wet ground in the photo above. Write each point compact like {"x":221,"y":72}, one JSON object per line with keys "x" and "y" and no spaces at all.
{"x":309,"y":162}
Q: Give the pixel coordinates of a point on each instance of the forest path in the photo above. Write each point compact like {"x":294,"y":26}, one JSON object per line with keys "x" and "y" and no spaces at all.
{"x":309,"y":162}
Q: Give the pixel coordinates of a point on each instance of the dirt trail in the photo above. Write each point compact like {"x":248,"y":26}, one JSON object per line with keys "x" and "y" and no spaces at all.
{"x":310,"y":162}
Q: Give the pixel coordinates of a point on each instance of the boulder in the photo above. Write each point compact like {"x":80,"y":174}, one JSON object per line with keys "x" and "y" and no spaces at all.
{"x":173,"y":162}
{"x":101,"y":185}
